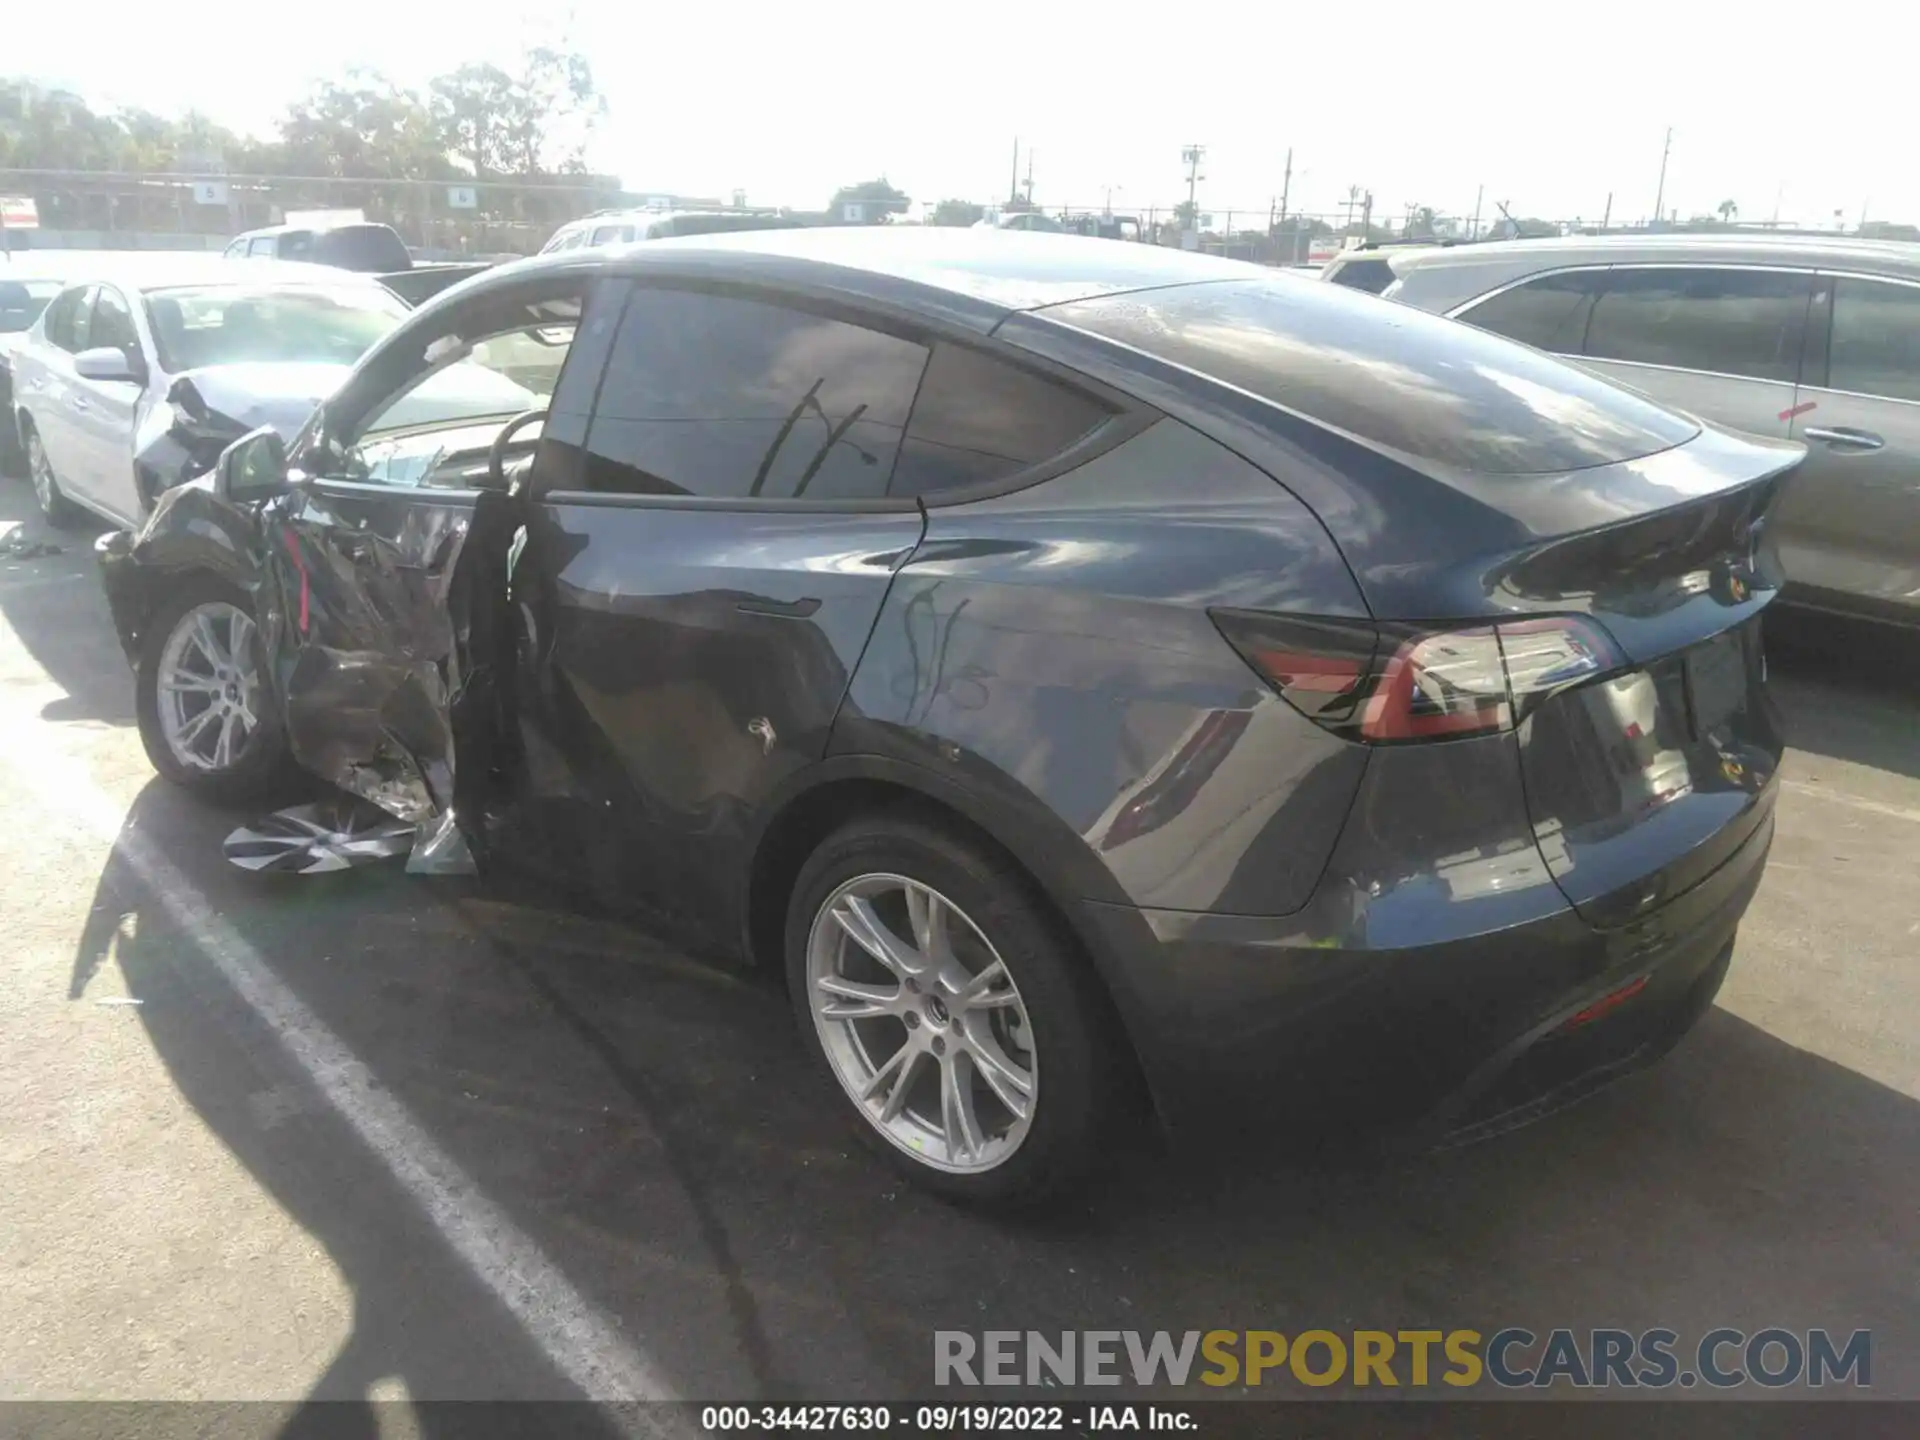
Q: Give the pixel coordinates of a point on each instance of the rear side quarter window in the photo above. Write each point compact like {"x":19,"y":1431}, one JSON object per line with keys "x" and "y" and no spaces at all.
{"x":1548,"y":312}
{"x":979,"y":420}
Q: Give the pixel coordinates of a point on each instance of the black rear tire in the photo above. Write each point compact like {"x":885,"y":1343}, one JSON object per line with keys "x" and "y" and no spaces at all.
{"x":55,"y":508}
{"x":1071,"y":1030}
{"x":264,"y":771}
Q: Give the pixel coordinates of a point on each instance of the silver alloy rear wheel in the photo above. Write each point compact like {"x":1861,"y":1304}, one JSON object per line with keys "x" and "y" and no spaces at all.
{"x":208,"y":687}
{"x":922,"y":1023}
{"x":46,"y":490}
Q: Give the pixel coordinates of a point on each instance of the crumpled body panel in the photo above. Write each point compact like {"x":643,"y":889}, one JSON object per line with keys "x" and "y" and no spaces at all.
{"x":379,"y":673}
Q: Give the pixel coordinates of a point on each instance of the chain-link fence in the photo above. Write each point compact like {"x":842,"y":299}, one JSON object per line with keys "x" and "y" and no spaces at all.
{"x":119,"y":210}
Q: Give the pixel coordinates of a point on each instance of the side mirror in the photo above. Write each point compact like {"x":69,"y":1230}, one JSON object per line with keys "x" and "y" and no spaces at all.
{"x":110,"y":366}
{"x":254,"y":467}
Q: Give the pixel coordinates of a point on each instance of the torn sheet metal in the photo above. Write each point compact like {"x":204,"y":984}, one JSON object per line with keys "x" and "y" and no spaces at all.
{"x":396,"y":612}
{"x":341,"y":833}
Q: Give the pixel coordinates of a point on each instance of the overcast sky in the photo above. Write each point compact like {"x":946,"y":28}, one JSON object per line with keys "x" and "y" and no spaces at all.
{"x":1806,"y":110}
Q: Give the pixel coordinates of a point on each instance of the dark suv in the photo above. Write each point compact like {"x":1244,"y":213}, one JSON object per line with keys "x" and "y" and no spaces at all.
{"x":1064,"y":659}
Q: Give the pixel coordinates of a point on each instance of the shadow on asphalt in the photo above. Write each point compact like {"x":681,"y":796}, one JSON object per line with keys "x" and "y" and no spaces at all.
{"x":55,"y":605}
{"x":650,"y":1122}
{"x":1849,"y":690}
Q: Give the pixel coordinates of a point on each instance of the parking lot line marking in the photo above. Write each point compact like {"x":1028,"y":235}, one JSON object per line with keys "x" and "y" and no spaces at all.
{"x":579,"y":1341}
{"x":1875,"y":807}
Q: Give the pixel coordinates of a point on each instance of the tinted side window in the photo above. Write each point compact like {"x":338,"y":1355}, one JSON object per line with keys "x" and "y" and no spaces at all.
{"x":72,"y":327}
{"x":262,"y":246}
{"x":1875,"y":344}
{"x":1549,"y":313}
{"x":978,"y":419}
{"x":724,"y":396}
{"x":60,"y":317}
{"x":113,"y":322}
{"x":1730,"y":322}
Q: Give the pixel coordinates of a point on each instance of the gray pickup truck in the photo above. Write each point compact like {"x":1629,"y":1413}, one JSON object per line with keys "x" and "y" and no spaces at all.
{"x":360,"y":246}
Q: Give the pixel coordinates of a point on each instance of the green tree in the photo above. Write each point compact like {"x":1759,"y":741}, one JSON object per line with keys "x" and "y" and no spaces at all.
{"x":1727,"y":210}
{"x":956,"y":212}
{"x":553,"y":94}
{"x":880,"y":198}
{"x":367,"y":128}
{"x":474,"y":110}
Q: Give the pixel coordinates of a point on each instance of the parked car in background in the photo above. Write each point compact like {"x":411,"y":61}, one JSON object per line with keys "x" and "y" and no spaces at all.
{"x":1798,"y":337}
{"x":1369,"y":266}
{"x":359,"y":246}
{"x":144,"y":364}
{"x":1065,"y":659}
{"x":29,"y":279}
{"x":1021,"y":220}
{"x":623,"y":227}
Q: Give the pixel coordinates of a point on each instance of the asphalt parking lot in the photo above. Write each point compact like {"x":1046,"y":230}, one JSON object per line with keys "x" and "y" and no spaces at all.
{"x":380,"y":1136}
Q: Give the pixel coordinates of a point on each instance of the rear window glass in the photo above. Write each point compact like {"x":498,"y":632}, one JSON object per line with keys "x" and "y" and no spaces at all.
{"x":1371,"y":275}
{"x":366,"y":248}
{"x":719,"y":225}
{"x":1435,"y":390}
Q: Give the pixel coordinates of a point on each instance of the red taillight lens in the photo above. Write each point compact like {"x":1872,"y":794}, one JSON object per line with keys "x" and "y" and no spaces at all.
{"x":1393,"y":683}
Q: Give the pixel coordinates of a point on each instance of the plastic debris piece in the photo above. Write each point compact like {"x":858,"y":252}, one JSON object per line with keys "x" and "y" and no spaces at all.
{"x":441,"y":849}
{"x":15,"y":545}
{"x":334,"y":834}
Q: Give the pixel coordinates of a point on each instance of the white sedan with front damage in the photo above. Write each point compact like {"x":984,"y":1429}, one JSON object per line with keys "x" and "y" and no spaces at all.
{"x":139,"y":372}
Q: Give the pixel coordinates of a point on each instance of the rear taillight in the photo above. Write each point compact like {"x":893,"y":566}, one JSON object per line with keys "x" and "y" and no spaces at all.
{"x":1390,"y":683}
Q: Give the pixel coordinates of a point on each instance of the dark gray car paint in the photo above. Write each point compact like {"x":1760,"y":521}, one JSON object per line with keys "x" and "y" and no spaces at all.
{"x":659,"y":680}
{"x":1033,"y":646}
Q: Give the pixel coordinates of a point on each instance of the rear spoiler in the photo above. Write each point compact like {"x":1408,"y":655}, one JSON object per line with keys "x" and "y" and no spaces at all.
{"x":421,"y":283}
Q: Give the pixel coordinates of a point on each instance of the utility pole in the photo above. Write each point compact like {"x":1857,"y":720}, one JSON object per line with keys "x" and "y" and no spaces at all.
{"x":1473,"y":232}
{"x":1013,"y":186}
{"x":1190,"y":157}
{"x":1366,"y":217}
{"x":1286,"y":184}
{"x":1029,"y":177}
{"x":1660,"y":195}
{"x":1353,"y":200}
{"x":1608,"y":214}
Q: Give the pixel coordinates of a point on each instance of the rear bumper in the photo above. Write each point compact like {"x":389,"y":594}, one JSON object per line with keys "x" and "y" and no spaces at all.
{"x":1252,"y":1025}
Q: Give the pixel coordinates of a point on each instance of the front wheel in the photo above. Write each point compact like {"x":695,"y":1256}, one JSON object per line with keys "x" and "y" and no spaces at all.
{"x":206,"y":711}
{"x":968,"y":1043}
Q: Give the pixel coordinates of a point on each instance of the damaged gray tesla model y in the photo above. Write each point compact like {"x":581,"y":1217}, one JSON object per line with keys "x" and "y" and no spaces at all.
{"x":1069,"y":661}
